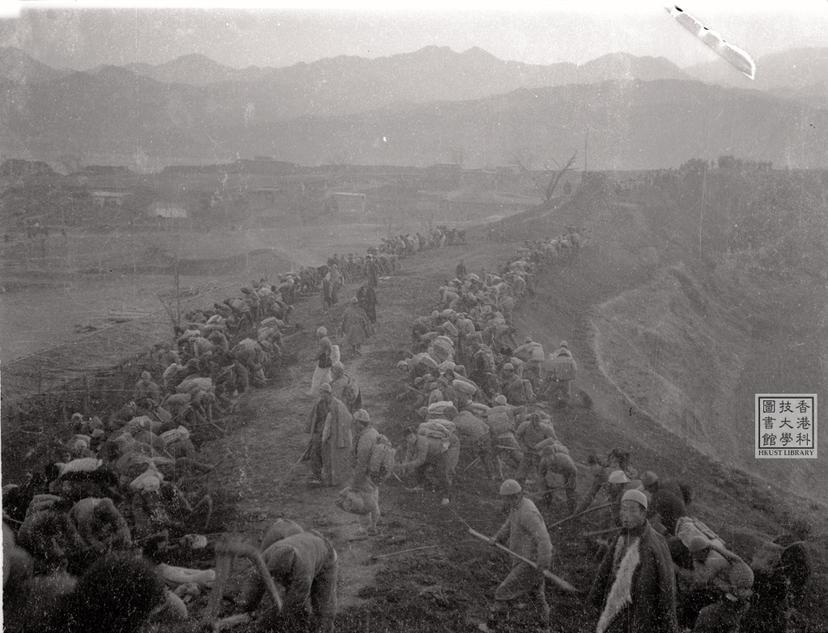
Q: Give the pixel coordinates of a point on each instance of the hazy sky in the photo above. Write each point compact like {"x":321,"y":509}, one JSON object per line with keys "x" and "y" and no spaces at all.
{"x":568,"y":31}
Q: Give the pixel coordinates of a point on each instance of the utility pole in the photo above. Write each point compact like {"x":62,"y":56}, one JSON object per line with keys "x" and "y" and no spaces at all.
{"x":586,"y":141}
{"x":701,"y":206}
{"x":177,"y":292}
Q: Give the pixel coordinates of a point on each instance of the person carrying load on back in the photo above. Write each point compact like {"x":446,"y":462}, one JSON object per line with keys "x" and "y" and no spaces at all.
{"x":518,"y":391}
{"x":555,"y":460}
{"x":559,"y":369}
{"x":432,"y":446}
{"x":501,"y":423}
{"x":531,"y":353}
{"x":530,"y":433}
{"x":475,"y":437}
{"x":372,"y":457}
{"x":725,"y":578}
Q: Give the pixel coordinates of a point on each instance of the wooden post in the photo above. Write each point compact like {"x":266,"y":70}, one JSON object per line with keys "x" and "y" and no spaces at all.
{"x":177,"y":292}
{"x":86,"y":394}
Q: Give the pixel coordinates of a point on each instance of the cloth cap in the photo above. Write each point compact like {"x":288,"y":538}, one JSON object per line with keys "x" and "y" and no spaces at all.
{"x":649,"y":478}
{"x":636,"y":495}
{"x":510,"y":487}
{"x":325,"y":388}
{"x":354,"y":300}
{"x":618,"y":477}
{"x":500,"y":399}
{"x":361,"y":415}
{"x":322,"y":331}
{"x":145,"y":375}
{"x":508,"y":367}
{"x":697,"y":544}
{"x":564,"y":344}
{"x":402,"y":365}
{"x":528,"y":339}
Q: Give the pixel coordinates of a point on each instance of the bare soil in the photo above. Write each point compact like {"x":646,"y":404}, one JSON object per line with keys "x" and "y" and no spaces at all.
{"x":446,"y":586}
{"x":446,"y":582}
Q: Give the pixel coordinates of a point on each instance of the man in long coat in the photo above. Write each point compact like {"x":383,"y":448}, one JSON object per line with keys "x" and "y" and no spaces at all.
{"x":336,"y":444}
{"x":635,"y":586}
{"x":315,"y":425}
{"x":345,"y":387}
{"x":371,"y":271}
{"x":356,"y":327}
{"x":367,"y":298}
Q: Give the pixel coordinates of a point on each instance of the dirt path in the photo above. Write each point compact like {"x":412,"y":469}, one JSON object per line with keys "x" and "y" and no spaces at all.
{"x":446,"y":581}
{"x":259,"y":460}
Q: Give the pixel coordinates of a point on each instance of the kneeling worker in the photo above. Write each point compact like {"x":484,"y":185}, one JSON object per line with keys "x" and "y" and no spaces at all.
{"x":525,"y":533}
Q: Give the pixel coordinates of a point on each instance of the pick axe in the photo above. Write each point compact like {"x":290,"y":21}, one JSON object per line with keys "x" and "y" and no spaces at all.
{"x":556,"y":580}
{"x":227,"y":549}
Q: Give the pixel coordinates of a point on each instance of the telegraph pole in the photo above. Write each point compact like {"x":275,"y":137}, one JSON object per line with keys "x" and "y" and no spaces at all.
{"x":701,"y":206}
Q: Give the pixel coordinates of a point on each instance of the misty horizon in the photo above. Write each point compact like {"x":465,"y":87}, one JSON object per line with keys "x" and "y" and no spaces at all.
{"x":82,"y":40}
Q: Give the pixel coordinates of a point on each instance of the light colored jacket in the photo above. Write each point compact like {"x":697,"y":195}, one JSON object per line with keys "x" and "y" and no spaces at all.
{"x":295,"y":561}
{"x":525,"y":533}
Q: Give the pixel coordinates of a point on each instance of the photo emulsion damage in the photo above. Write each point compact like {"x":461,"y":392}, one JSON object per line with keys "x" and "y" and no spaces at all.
{"x":485,"y":319}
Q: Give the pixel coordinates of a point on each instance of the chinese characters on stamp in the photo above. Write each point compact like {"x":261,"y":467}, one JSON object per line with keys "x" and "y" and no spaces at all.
{"x":786,"y":425}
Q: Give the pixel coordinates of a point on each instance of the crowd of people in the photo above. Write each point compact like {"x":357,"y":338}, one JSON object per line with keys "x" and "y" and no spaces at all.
{"x":121,"y":505}
{"x":101,"y":539}
{"x":411,"y":243}
{"x":486,"y":399}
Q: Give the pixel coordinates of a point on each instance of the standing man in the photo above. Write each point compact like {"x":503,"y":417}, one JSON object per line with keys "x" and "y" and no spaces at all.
{"x":336,"y":443}
{"x":336,"y":282}
{"x":345,"y":387}
{"x":371,"y":271}
{"x":314,"y":426}
{"x":525,"y":533}
{"x":356,"y":327}
{"x":366,"y":438}
{"x":327,"y":291}
{"x":635,"y":586}
{"x":367,"y":298}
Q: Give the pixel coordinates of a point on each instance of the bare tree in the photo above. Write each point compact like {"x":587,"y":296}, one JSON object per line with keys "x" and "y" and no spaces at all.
{"x":549,"y":190}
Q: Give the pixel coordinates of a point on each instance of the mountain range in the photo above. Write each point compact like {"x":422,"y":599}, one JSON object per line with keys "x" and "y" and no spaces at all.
{"x":417,"y":108}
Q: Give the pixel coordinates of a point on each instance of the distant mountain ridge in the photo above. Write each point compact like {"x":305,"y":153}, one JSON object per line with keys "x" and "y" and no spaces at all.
{"x":416,"y":108}
{"x":18,"y":66}
{"x":797,"y":72}
{"x":631,"y":125}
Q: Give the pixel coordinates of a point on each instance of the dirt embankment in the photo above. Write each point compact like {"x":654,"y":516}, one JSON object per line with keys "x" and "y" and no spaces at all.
{"x":446,"y":581}
{"x":692,"y":351}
